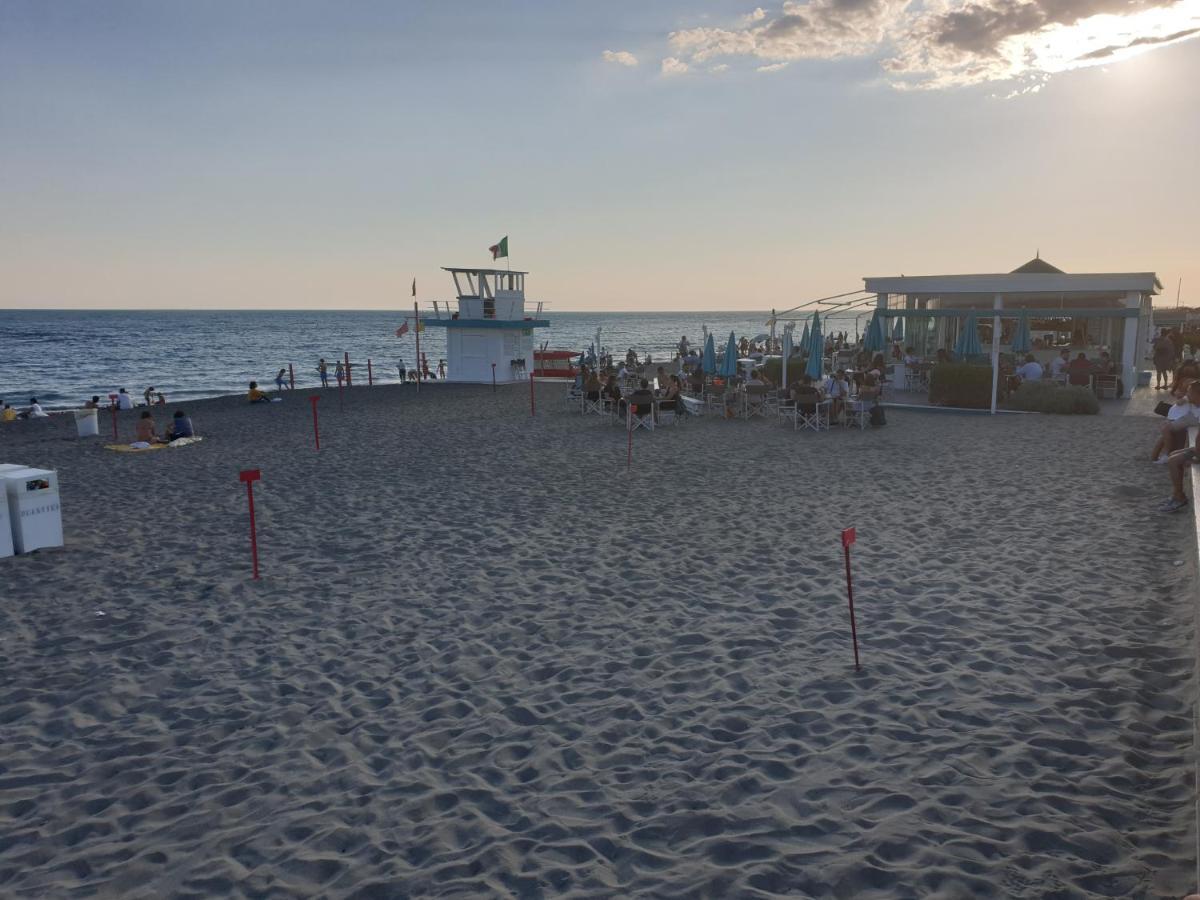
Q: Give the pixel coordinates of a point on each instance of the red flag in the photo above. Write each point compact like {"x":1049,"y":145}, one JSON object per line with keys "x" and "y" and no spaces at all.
{"x":402,"y":330}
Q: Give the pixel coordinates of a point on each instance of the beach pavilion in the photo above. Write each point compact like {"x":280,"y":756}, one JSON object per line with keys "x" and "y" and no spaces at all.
{"x":1086,"y":312}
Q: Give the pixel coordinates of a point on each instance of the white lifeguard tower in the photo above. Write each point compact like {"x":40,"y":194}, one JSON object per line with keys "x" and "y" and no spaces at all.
{"x":490,"y":327}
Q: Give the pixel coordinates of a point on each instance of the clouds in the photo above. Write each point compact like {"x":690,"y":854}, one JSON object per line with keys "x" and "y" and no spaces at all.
{"x":620,"y":57}
{"x":940,"y":43}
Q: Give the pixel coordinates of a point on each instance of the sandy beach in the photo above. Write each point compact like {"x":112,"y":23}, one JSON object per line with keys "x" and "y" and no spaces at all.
{"x":484,"y":661}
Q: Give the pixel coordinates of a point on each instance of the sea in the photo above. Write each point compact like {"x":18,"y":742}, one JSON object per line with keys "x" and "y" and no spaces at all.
{"x":64,"y":357}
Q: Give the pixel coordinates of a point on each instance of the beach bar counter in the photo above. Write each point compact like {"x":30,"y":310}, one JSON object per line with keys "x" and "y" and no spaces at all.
{"x":490,"y":335}
{"x":1090,"y":312}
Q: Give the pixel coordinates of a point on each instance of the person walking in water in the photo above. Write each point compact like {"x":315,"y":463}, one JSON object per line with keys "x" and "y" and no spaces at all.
{"x":323,"y":371}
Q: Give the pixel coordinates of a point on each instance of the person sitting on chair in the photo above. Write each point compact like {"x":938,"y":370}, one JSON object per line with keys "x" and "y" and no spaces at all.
{"x":806,"y":395}
{"x":670,"y":400}
{"x":642,"y":400}
{"x":1079,"y":371}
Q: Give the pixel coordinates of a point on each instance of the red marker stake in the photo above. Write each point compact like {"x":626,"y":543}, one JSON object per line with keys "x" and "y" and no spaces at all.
{"x":848,"y":538}
{"x":532,"y":409}
{"x":348,"y":381}
{"x":291,"y":377}
{"x":316,"y":429}
{"x":112,"y":399}
{"x":250,"y":476}
{"x":341,"y":408}
{"x":370,"y":376}
{"x":493,"y":378}
{"x":417,"y":335}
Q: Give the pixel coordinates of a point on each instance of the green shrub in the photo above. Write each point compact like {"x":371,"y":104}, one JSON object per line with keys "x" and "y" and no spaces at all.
{"x":958,"y":384}
{"x":1052,"y":397}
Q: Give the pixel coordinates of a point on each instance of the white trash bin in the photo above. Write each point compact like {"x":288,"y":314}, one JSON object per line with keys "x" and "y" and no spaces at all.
{"x":87,"y":422}
{"x":34,"y":508}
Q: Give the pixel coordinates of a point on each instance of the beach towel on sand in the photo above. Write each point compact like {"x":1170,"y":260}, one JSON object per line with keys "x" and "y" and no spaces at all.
{"x":140,"y":447}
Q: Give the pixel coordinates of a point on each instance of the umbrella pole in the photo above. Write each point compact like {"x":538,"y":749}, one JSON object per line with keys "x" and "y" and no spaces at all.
{"x":995,"y":349}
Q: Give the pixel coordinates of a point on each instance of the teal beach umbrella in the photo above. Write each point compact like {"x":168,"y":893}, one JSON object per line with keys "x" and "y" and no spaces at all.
{"x":874,"y":340}
{"x":968,"y":339}
{"x":816,"y":349}
{"x":1022,"y":341}
{"x":804,"y":338}
{"x":729,"y":363}
{"x":709,"y":362}
{"x":898,"y":330}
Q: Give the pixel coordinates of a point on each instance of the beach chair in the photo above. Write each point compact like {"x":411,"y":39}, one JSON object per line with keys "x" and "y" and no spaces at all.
{"x":754,"y":401}
{"x":671,"y":414}
{"x":593,"y":403}
{"x":786,"y":410}
{"x":1106,"y":387}
{"x":813,"y":415}
{"x":858,"y":414}
{"x":641,"y":416}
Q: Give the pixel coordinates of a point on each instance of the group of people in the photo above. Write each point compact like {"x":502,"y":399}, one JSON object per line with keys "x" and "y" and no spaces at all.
{"x":665,"y":396}
{"x":1079,"y":371}
{"x":1181,"y":412}
{"x":180,"y":426}
{"x":8,"y":413}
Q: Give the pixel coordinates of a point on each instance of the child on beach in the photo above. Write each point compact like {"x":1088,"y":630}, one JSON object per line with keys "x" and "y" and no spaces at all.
{"x":254,"y":395}
{"x":339,"y":373}
{"x":323,"y":371}
{"x":9,"y":414}
{"x":280,"y":380}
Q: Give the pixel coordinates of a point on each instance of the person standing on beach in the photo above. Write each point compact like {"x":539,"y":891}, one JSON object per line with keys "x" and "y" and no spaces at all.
{"x":1164,"y":361}
{"x":323,"y":371}
{"x":148,"y":394}
{"x":280,"y":380}
{"x":403,"y":372}
{"x":441,"y":370}
{"x":124,"y":401}
{"x":339,"y":373}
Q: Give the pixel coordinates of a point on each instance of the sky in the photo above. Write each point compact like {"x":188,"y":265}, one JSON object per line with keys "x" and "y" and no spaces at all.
{"x":681,"y":154}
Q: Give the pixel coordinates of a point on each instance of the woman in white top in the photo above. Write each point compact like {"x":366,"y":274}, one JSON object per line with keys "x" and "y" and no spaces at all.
{"x":1183,"y":414}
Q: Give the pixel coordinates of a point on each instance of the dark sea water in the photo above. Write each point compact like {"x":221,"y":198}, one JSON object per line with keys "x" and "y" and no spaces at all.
{"x":64,"y":357}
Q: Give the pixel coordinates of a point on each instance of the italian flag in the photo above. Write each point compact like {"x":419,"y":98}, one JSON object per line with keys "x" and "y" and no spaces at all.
{"x":500,"y":249}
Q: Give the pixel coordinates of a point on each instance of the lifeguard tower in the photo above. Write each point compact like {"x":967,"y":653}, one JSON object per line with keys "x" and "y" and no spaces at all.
{"x":490,"y":327}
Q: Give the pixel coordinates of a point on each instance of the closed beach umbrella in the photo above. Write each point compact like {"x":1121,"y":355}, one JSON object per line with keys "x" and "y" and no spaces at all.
{"x":816,"y":348}
{"x":729,"y":363}
{"x":787,"y":350}
{"x":804,"y":340}
{"x":968,"y":343}
{"x":1022,"y":341}
{"x":873,"y":340}
{"x":709,"y":362}
{"x":898,"y":330}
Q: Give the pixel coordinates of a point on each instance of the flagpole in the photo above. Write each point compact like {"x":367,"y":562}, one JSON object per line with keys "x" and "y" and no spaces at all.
{"x":417,"y":332}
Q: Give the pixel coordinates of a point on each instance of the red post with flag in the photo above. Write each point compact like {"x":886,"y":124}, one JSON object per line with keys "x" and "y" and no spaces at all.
{"x":291,"y":377}
{"x":249,"y":476}
{"x":849,"y":536}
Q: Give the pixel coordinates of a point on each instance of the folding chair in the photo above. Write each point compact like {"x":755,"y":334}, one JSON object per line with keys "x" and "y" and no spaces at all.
{"x":1106,"y":386}
{"x":640,"y":416}
{"x":754,"y":402}
{"x":858,"y":413}
{"x":669,"y":415}
{"x":787,"y":411}
{"x":594,"y":403}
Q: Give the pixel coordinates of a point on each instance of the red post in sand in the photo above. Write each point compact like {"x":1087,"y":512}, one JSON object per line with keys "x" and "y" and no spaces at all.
{"x":417,"y":335}
{"x":370,"y":376}
{"x":532,"y":410}
{"x":493,"y":378}
{"x":250,"y":476}
{"x":341,"y":406}
{"x":291,"y":377}
{"x":112,"y":401}
{"x":316,"y":430}
{"x":349,"y":383}
{"x":849,"y":537}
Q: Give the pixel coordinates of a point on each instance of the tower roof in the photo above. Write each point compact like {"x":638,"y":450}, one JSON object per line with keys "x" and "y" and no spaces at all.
{"x":1037,"y":266}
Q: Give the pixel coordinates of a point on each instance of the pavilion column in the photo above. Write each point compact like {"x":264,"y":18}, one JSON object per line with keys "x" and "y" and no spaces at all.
{"x":1129,"y":345}
{"x":997,"y":303}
